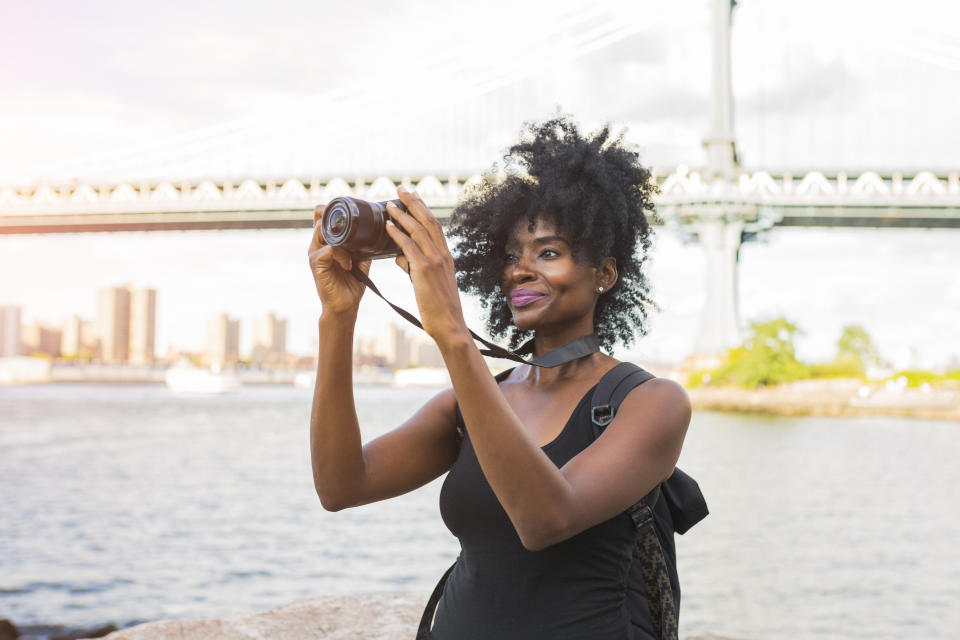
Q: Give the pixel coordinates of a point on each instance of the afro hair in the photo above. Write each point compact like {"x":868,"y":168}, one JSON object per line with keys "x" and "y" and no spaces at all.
{"x":592,"y":188}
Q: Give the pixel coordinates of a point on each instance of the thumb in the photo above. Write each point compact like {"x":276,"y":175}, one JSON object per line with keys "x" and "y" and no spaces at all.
{"x":342,"y":258}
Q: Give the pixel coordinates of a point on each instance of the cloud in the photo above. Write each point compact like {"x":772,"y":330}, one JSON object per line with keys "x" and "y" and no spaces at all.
{"x":813,"y":87}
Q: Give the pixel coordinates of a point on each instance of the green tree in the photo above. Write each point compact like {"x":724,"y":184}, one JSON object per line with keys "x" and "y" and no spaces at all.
{"x":766,"y":357}
{"x":855,"y":347}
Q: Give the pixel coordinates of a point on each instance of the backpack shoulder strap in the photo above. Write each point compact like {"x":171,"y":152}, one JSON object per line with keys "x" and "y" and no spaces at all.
{"x":610,"y":392}
{"x":612,"y":389}
{"x":426,"y":620}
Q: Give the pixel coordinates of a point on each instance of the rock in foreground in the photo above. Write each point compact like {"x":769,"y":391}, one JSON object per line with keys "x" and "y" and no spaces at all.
{"x":370,"y":617}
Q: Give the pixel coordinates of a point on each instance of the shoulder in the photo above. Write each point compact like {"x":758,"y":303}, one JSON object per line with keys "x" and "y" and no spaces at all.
{"x":661,"y":404}
{"x":444,"y":401}
{"x":660,"y":391}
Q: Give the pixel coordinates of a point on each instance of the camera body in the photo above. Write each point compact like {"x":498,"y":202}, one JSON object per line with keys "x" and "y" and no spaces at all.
{"x":360,"y":227}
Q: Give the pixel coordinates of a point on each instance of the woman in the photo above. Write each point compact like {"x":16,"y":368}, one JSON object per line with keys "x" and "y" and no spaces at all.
{"x":537,"y":503}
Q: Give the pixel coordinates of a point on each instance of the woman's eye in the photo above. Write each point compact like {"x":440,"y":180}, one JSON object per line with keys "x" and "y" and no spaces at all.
{"x":511,"y":258}
{"x":549,"y":253}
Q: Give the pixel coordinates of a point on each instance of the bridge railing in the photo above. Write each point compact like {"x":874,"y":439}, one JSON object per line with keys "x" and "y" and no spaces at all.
{"x":685,"y":194}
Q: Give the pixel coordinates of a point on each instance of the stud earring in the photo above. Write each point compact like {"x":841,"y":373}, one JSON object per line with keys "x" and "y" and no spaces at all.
{"x":599,"y":289}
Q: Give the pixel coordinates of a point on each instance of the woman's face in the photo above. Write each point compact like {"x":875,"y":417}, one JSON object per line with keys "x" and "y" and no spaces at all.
{"x":545,"y":287}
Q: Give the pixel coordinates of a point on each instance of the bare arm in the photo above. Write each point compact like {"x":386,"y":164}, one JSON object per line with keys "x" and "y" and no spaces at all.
{"x":346,"y":473}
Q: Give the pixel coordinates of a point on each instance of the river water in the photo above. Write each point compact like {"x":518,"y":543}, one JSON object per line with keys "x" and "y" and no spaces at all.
{"x":125,"y":504}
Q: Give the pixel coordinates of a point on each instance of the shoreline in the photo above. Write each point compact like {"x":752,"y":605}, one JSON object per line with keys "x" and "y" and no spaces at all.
{"x":830,"y":398}
{"x":837,"y":397}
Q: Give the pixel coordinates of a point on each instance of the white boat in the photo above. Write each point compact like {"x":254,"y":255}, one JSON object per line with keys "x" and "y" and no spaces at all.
{"x":190,"y":379}
{"x":305,"y":379}
{"x":421,"y":377}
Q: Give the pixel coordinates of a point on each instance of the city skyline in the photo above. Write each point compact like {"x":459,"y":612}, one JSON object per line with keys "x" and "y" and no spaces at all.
{"x":123,"y":331}
{"x":118,"y":335}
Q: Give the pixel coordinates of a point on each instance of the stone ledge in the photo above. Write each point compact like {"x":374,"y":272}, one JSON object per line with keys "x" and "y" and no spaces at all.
{"x":383,"y":616}
{"x":367,"y":617}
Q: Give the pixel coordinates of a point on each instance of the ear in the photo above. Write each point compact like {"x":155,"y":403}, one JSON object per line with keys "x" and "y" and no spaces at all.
{"x":607,"y":273}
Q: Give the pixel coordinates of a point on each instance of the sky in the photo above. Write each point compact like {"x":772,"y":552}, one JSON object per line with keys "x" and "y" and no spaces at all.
{"x":111,"y":91}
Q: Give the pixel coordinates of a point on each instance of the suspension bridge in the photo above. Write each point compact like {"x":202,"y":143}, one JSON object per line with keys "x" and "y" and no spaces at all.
{"x":719,"y":203}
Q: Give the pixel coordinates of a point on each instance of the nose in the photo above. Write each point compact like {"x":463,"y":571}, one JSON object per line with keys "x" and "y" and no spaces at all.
{"x":520,"y":271}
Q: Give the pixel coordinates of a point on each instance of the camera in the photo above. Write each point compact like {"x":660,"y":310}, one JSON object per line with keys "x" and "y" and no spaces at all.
{"x":360,"y":227}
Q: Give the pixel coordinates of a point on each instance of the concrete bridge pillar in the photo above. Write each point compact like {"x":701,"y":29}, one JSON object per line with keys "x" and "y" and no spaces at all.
{"x":720,"y":322}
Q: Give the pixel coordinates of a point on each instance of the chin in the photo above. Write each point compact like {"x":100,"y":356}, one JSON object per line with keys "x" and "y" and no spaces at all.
{"x":523,"y":320}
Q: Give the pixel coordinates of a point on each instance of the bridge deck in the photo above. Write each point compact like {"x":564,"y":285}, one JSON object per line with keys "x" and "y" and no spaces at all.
{"x":925,"y":199}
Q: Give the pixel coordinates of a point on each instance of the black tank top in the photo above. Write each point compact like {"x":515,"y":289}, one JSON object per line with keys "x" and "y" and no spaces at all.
{"x":498,"y":590}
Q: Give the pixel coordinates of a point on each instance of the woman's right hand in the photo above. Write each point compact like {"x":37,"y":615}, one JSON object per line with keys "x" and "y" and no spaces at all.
{"x":339,"y":291}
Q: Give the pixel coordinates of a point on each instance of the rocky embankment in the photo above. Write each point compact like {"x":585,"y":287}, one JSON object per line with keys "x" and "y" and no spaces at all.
{"x":831,"y":398}
{"x":370,"y":617}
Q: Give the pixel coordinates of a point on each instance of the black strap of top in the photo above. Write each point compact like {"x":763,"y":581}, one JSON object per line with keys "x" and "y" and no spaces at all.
{"x":565,"y":353}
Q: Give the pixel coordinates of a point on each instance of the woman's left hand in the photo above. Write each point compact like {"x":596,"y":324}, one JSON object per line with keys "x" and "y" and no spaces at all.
{"x":427,"y":258}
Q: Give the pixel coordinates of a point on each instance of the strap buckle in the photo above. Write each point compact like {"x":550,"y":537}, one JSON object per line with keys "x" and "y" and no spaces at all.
{"x":602,"y":415}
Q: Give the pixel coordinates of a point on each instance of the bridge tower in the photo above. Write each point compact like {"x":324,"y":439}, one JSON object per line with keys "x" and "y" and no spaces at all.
{"x":719,"y":223}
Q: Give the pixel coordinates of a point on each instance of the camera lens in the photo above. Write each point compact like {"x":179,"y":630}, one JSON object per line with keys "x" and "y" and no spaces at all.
{"x":338,"y":222}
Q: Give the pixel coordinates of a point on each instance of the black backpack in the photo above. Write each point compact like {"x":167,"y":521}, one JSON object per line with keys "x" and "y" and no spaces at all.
{"x":674,"y":505}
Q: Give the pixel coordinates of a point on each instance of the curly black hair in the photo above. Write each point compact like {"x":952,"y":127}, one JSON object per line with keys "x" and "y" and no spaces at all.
{"x":591,"y":188}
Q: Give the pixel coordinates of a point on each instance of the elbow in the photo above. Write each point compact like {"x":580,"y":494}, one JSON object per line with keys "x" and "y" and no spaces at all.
{"x":534,"y":544}
{"x":332,"y":501}
{"x":332,"y":504}
{"x":538,"y":536}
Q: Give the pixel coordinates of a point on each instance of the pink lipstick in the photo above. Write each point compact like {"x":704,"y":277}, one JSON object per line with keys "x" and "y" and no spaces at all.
{"x":523,"y":297}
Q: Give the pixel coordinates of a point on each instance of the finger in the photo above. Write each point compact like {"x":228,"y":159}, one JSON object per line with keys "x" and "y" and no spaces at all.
{"x":317,"y":241}
{"x":419,"y":210}
{"x":342,"y":257}
{"x":403,"y":263}
{"x":318,"y":212}
{"x":413,"y":227}
{"x":408,"y":245}
{"x":327,"y":256}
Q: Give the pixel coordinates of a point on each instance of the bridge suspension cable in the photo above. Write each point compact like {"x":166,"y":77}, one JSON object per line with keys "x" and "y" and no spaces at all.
{"x":576,"y":33}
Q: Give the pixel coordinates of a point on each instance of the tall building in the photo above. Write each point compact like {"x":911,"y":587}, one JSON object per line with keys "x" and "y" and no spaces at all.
{"x":222,"y":345}
{"x":9,"y":331}
{"x":80,"y":339}
{"x":269,"y":340}
{"x":392,"y":347}
{"x":40,"y":339}
{"x":113,"y":323}
{"x":126,"y":324}
{"x":143,"y":325}
{"x":423,"y":352}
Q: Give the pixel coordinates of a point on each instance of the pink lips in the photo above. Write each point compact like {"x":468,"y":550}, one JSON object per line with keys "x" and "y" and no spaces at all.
{"x":523,"y":297}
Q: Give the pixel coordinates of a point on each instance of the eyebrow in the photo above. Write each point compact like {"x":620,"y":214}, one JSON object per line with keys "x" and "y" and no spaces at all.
{"x":543,"y":240}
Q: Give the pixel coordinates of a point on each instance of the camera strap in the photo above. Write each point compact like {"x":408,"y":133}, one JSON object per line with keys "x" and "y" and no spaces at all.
{"x":574,"y":350}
